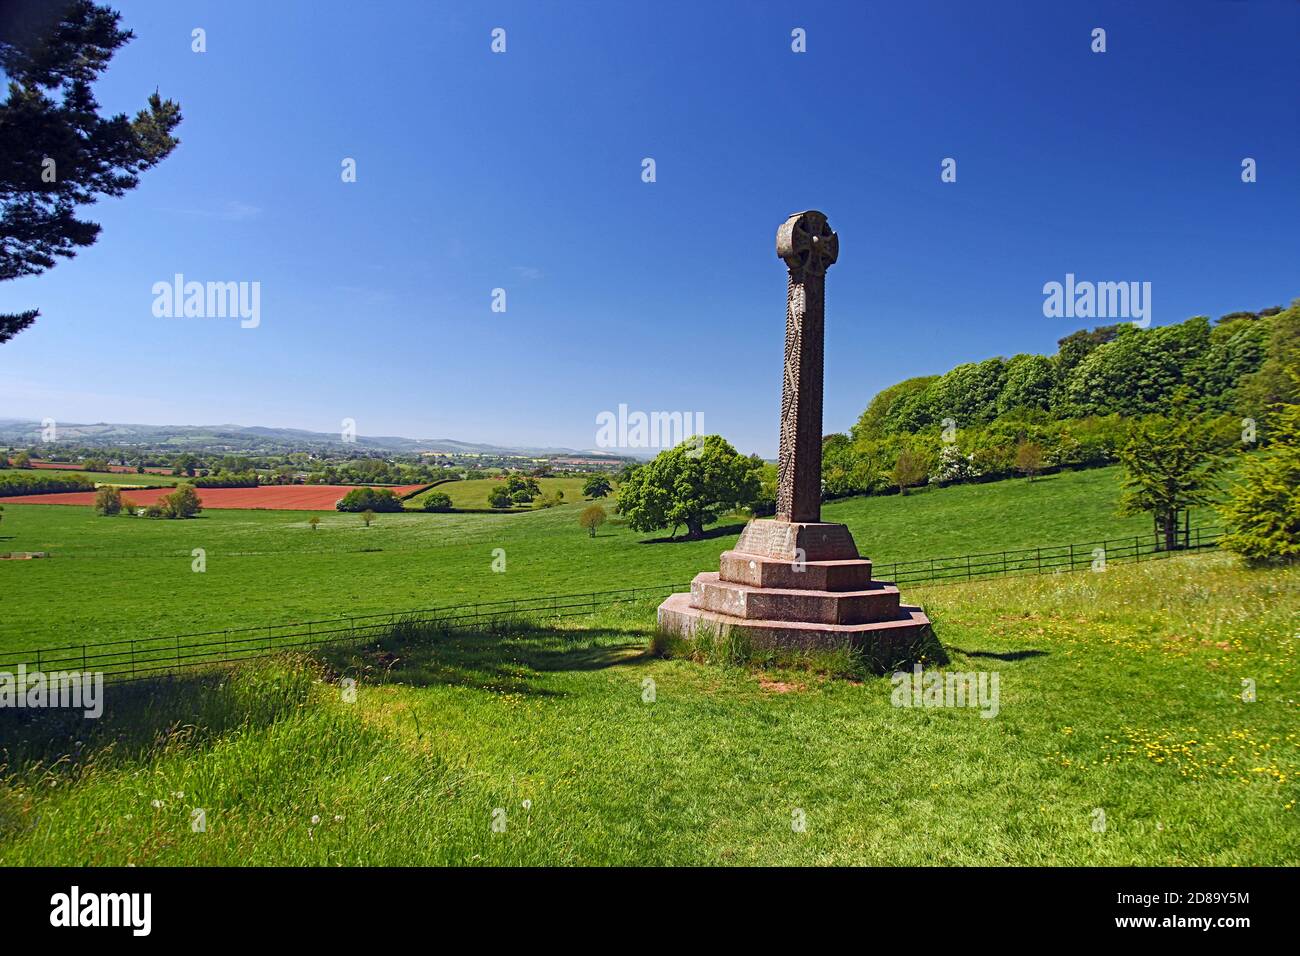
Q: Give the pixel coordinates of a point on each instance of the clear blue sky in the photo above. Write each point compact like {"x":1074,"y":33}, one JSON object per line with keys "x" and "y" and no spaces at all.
{"x":523,"y":171}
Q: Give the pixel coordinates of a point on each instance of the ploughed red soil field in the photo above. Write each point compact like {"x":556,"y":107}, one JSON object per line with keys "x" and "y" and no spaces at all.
{"x":274,"y":497}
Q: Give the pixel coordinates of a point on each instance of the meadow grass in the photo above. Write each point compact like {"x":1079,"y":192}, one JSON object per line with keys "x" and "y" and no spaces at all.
{"x":125,"y":479}
{"x":1119,"y":691}
{"x":113,"y":578}
{"x":474,"y":492}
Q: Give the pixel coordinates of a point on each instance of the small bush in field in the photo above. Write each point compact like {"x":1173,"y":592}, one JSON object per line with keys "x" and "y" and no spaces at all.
{"x":108,"y":501}
{"x":592,"y":518}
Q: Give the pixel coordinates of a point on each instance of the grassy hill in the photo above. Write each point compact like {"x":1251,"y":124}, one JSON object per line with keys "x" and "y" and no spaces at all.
{"x":1119,"y":692}
{"x":474,"y":492}
{"x":111,"y":578}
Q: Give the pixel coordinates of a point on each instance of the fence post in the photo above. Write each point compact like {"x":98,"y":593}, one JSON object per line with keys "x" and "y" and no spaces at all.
{"x":968,"y":567}
{"x":1137,"y":548}
{"x":178,"y":650}
{"x":133,"y":658}
{"x":1039,"y":556}
{"x":1071,"y":557}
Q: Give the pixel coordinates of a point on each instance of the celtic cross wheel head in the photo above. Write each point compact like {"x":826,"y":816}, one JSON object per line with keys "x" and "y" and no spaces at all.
{"x":807,"y":244}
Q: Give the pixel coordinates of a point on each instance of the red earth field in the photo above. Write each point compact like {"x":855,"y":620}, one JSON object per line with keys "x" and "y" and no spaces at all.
{"x":274,"y":497}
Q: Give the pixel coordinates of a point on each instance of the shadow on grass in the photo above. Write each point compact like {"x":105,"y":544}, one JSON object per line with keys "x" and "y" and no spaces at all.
{"x":141,"y":719}
{"x":502,"y":658}
{"x":719,"y":531}
{"x":1002,"y":655}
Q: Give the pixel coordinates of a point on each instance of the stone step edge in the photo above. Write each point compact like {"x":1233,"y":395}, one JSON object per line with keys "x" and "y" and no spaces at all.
{"x":714,"y":578}
{"x":828,"y":563}
{"x":911,"y":616}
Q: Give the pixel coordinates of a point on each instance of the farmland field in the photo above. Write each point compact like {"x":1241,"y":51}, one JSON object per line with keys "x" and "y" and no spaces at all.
{"x":152,"y":470}
{"x":123,"y":479}
{"x":474,"y":492}
{"x":271,"y":497}
{"x":110,"y":578}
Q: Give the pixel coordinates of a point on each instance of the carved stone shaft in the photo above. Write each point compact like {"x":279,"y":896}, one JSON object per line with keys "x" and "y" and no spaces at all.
{"x":808,"y":246}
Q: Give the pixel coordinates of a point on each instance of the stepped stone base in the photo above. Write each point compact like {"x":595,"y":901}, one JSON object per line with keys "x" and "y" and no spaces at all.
{"x":853,"y":574}
{"x":800,"y":586}
{"x":883,"y":639}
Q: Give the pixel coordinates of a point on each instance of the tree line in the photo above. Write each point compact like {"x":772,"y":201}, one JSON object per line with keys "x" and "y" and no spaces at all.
{"x":992,"y":419}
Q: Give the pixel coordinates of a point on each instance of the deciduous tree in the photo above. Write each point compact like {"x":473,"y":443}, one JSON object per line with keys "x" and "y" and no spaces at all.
{"x":691,"y":485}
{"x":1169,"y":466}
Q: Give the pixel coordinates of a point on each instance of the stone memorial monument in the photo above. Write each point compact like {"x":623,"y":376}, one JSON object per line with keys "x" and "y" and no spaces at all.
{"x":794,"y":581}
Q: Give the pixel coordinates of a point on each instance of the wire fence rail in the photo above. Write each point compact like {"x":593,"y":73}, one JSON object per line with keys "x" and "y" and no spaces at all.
{"x":145,"y":657}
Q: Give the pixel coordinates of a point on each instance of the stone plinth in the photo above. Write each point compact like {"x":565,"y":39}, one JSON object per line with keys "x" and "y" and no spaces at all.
{"x":802,"y":586}
{"x":888,"y":641}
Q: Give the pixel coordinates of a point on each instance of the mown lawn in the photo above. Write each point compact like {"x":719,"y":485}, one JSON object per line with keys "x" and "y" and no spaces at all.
{"x":1120,"y":694}
{"x":111,"y":578}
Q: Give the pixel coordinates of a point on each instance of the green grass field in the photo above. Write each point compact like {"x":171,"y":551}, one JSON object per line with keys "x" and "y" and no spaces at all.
{"x":112,"y":578}
{"x":106,"y":478}
{"x":1120,"y":693}
{"x":474,"y":492}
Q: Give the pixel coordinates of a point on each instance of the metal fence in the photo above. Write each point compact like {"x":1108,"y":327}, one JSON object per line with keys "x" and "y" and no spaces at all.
{"x":138,"y":658}
{"x":1043,"y":560}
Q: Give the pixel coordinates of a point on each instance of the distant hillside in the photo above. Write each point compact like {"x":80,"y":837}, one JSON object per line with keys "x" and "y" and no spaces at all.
{"x":253,"y":439}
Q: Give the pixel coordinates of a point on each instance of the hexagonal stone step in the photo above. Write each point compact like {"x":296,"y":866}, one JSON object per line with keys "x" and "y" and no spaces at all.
{"x":760,"y":572}
{"x":710,"y":593}
{"x":886,"y":640}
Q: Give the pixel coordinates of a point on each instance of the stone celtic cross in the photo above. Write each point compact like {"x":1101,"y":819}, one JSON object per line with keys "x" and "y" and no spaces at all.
{"x":795,"y":581}
{"x":809,"y":247}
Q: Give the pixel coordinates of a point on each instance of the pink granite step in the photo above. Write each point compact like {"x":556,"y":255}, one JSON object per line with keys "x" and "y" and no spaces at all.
{"x":878,"y":603}
{"x":849,"y":575}
{"x":883,"y":640}
{"x":792,"y":541}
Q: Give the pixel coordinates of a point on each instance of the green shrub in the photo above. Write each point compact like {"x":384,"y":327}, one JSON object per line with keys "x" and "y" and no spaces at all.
{"x":437,"y":501}
{"x":184,"y":502}
{"x":227,"y":479}
{"x":370,"y":499}
{"x":108,"y":501}
{"x":36,"y":483}
{"x":1263,"y":511}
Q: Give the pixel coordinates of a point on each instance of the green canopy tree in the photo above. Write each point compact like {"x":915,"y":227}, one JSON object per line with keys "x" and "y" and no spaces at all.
{"x":596,"y":486}
{"x":184,"y":502}
{"x":437,"y":501}
{"x":56,"y":151}
{"x":884,"y":413}
{"x":1169,"y":466}
{"x":1028,"y":384}
{"x":691,"y":485}
{"x":1263,"y":511}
